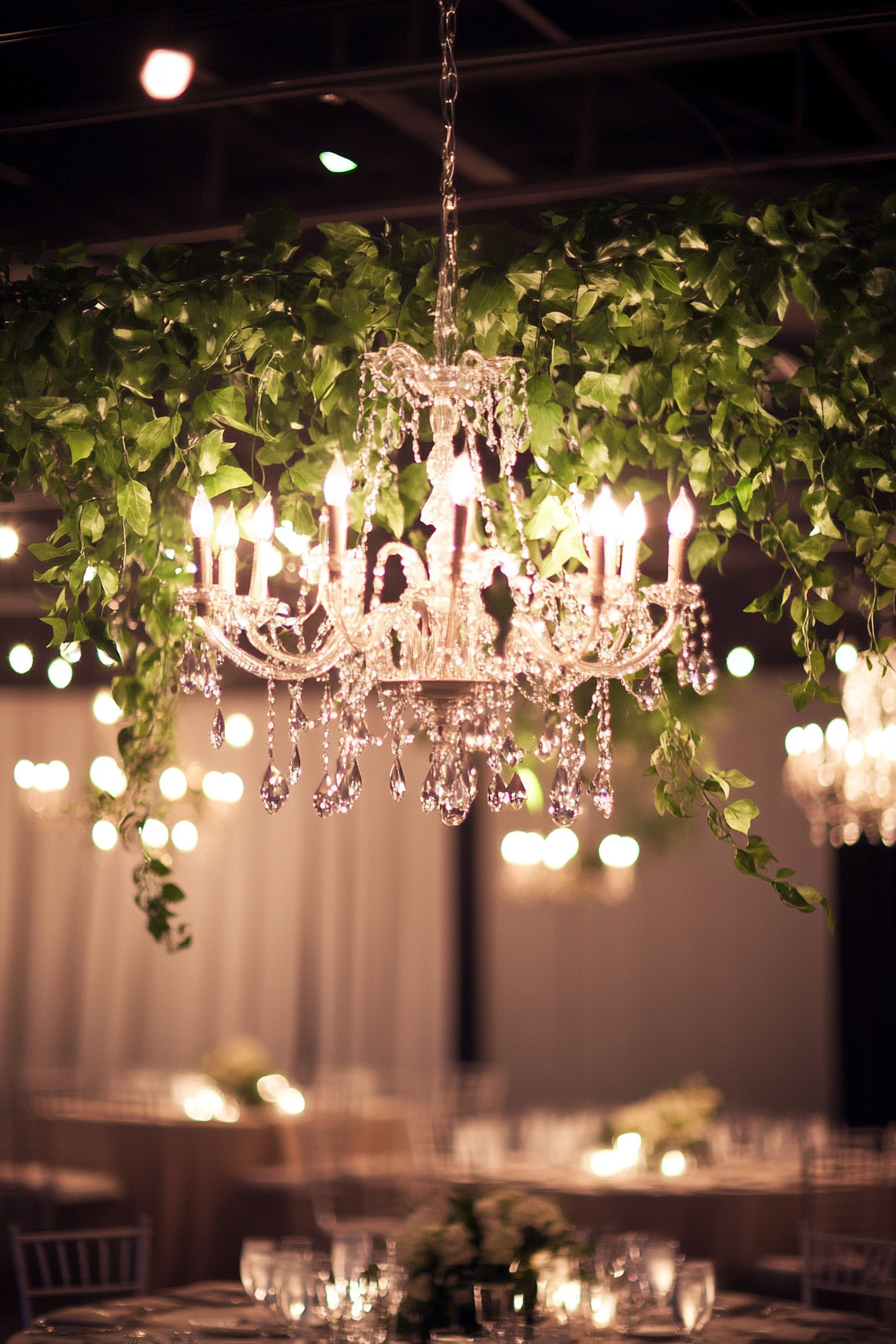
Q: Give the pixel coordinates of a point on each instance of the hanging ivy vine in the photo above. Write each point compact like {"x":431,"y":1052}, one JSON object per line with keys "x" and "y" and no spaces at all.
{"x":649,"y":340}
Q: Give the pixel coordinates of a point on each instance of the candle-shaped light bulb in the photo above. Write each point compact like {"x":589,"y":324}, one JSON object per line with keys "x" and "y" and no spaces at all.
{"x":337,"y":487}
{"x":202,"y":516}
{"x":461,"y":488}
{"x":680,"y":523}
{"x":263,"y":521}
{"x":462,"y":480}
{"x":337,"y":483}
{"x":228,"y":537}
{"x":262,"y":528}
{"x":634,"y":525}
{"x":681,"y":516}
{"x":202,"y":521}
{"x":606,"y":520}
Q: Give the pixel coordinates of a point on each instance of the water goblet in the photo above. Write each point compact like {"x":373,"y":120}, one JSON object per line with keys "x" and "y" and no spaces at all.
{"x":694,"y":1295}
{"x":256,"y":1267}
{"x":291,"y":1288}
{"x":660,"y":1267}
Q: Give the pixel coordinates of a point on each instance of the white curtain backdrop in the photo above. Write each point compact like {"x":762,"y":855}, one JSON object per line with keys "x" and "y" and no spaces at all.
{"x":331,"y":941}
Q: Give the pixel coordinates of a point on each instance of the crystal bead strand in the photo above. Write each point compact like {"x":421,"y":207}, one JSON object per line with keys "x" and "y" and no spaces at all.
{"x":274,"y":789}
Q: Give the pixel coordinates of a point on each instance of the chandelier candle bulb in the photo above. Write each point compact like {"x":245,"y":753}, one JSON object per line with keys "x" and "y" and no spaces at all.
{"x":228,"y":540}
{"x":202,"y":521}
{"x":605,"y":524}
{"x":263,"y":524}
{"x":680,"y":522}
{"x":634,"y":525}
{"x":337,"y":487}
{"x":461,"y":487}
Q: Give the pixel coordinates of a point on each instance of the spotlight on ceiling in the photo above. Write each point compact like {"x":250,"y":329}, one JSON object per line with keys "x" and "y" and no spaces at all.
{"x":337,"y":163}
{"x":9,"y":542}
{"x":166,"y":74}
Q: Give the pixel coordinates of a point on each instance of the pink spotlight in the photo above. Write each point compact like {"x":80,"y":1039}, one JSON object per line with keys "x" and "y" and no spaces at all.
{"x":166,"y":74}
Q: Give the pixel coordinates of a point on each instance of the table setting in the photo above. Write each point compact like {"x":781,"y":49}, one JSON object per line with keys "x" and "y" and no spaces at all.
{"x":505,"y":1267}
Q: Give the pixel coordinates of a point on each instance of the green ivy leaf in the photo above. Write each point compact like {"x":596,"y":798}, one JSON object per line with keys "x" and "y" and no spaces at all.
{"x":135,"y":505}
{"x":226,"y":478}
{"x":739,"y":815}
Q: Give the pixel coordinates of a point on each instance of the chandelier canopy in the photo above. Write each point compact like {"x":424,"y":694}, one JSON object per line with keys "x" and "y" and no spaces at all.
{"x":439,"y":662}
{"x":844,"y":776}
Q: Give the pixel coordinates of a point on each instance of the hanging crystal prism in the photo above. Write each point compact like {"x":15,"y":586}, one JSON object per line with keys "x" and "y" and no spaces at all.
{"x":274,"y":789}
{"x":295,"y":766}
{"x":190,"y":680}
{"x":216,"y":734}
{"x":397,"y":786}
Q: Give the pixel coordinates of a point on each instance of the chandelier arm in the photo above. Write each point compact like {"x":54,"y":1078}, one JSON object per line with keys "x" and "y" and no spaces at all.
{"x":524,"y":631}
{"x":278,"y":666}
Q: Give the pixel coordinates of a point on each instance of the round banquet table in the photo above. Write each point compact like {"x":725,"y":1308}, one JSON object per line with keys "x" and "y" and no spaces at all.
{"x":221,"y":1311}
{"x":187,"y":1175}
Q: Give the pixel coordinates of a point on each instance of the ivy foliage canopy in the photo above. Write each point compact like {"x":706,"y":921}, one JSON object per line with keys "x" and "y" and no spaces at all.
{"x":649,"y":341}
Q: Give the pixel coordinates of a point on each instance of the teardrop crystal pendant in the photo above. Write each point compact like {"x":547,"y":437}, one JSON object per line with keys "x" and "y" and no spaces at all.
{"x":497,"y":794}
{"x":511,"y":753}
{"x":189,"y":673}
{"x":563,"y":805}
{"x":429,"y":794}
{"x":216,"y":735}
{"x":298,"y":719}
{"x":208,"y":676}
{"x":324,"y":799}
{"x":547,"y":743}
{"x":647,"y":691}
{"x":516,"y":792}
{"x":703,"y":677}
{"x":455,"y":803}
{"x":274,"y":789}
{"x":397,"y":786}
{"x":601,"y":791}
{"x":295,"y":766}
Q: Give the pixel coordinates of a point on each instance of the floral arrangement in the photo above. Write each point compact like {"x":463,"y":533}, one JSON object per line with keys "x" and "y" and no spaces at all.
{"x":458,"y":1240}
{"x":236,"y":1067}
{"x":678,"y":1117}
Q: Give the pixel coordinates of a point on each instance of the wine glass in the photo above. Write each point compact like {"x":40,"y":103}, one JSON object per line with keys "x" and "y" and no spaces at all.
{"x":694,"y":1295}
{"x":660,"y":1267}
{"x":256,"y":1267}
{"x":291,"y":1288}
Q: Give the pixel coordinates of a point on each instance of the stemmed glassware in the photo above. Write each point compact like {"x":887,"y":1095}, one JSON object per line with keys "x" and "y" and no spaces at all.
{"x":257,"y":1268}
{"x":291,"y":1288}
{"x":694,"y":1295}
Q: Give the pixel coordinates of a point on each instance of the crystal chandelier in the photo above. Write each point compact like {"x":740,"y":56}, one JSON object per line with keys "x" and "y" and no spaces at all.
{"x":844,"y":776}
{"x":434,"y":656}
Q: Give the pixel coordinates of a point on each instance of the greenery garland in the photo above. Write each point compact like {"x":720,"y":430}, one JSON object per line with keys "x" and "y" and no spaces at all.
{"x":647,"y":338}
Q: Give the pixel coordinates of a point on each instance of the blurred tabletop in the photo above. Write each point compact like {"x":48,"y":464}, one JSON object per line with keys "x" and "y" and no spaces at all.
{"x":187,"y":1175}
{"x":221,"y":1311}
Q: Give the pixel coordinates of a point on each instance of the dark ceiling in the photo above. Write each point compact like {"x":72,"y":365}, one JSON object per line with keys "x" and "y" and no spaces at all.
{"x":563,"y":99}
{"x":559,"y":100}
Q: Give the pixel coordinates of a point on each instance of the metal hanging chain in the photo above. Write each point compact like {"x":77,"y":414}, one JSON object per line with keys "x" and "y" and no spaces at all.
{"x":447,"y":336}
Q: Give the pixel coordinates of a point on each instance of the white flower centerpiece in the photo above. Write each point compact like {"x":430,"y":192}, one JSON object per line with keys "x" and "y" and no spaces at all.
{"x":458,"y":1240}
{"x":676,"y":1118}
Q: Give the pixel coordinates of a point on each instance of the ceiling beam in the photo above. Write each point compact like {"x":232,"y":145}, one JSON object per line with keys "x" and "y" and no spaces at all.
{"x":541,"y":193}
{"x":554,"y":62}
{"x":420,"y":124}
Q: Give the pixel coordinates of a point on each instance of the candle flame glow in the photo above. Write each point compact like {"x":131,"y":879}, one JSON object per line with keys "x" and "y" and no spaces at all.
{"x":228,"y":531}
{"x":202,"y":515}
{"x":263,"y":521}
{"x":681,"y":516}
{"x":338,"y":483}
{"x":606,"y":517}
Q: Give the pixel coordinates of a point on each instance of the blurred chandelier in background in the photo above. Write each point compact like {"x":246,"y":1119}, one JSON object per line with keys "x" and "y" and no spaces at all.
{"x":437,"y":659}
{"x":844,"y":777}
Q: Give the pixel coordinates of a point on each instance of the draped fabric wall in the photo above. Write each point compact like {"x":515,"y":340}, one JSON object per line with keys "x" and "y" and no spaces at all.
{"x":331,"y":941}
